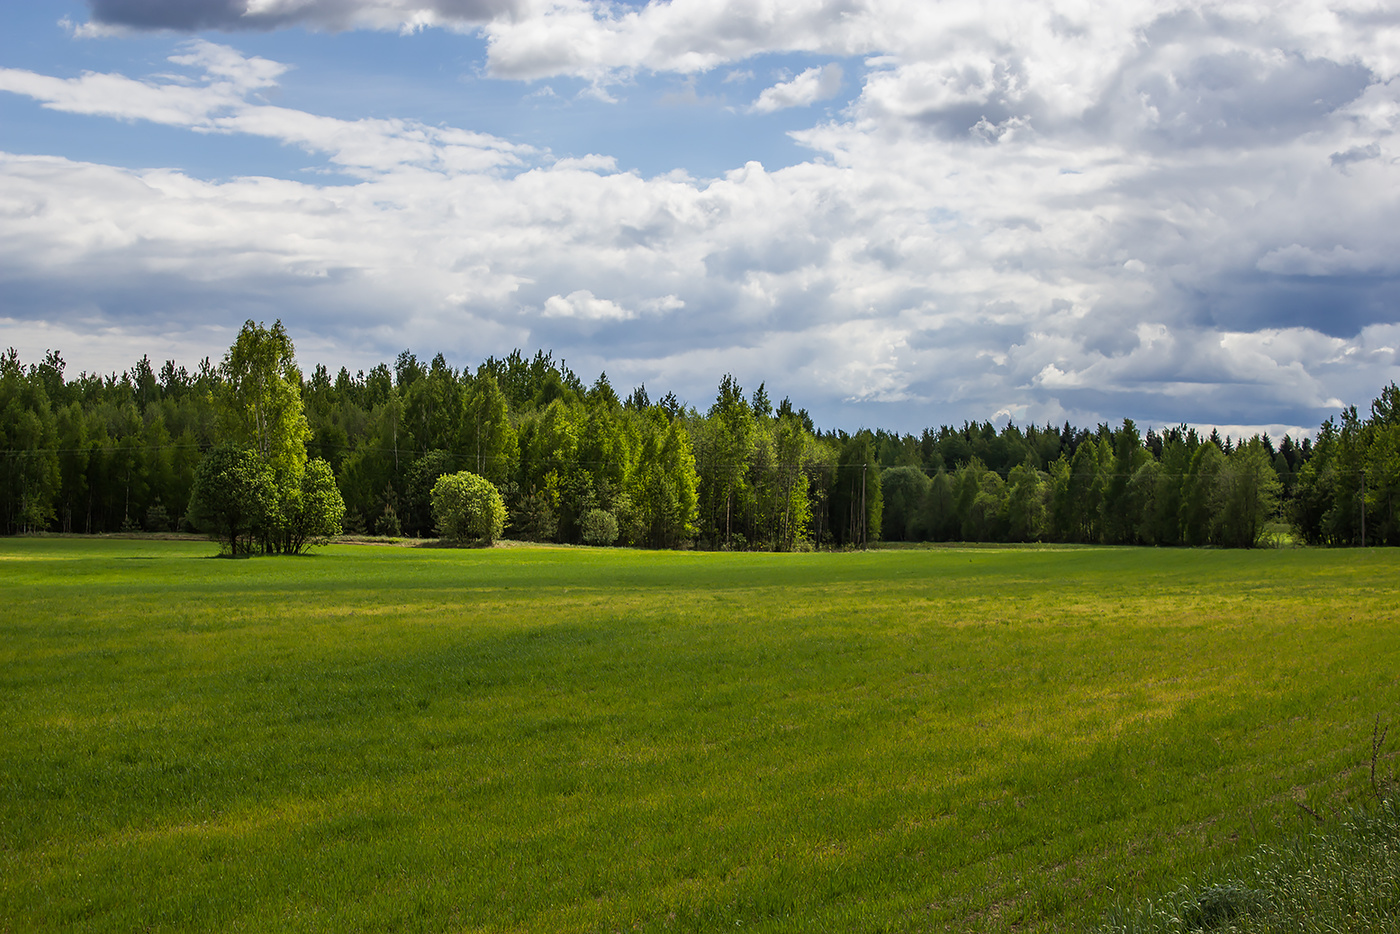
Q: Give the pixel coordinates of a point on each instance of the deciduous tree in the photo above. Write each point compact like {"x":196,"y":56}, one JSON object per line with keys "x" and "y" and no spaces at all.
{"x":232,"y":495}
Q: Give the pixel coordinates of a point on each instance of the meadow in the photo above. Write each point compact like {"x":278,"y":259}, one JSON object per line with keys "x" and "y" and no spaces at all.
{"x":556,"y":739}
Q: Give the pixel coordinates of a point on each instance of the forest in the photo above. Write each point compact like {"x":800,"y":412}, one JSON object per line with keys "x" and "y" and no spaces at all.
{"x":578,"y":462}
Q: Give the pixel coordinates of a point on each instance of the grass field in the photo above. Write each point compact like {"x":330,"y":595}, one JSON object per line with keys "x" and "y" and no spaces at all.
{"x":375,"y":739}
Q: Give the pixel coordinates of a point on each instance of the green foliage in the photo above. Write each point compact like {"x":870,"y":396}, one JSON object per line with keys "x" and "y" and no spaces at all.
{"x":1343,"y":877}
{"x":1083,"y":495}
{"x":421,"y":475}
{"x":532,"y":518}
{"x":488,"y":440}
{"x":857,"y":503}
{"x":1350,"y":487}
{"x":903,"y":489}
{"x":599,"y":527}
{"x":1025,"y":504}
{"x":549,"y":441}
{"x":318,"y":511}
{"x":1121,"y":514}
{"x":259,"y":399}
{"x":1246,"y":496}
{"x":938,"y":520}
{"x":261,"y":413}
{"x":1383,"y":481}
{"x":101,"y":454}
{"x":467,"y":507}
{"x":234,"y":491}
{"x":979,"y":496}
{"x":1197,"y":505}
{"x":728,"y":442}
{"x":660,"y":507}
{"x":27,"y":438}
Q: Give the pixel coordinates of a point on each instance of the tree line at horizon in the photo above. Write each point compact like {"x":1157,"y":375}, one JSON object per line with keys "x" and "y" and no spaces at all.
{"x":580,"y":463}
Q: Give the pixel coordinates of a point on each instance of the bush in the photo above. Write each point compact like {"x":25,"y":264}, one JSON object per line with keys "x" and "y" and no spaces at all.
{"x":318,"y":514}
{"x":599,"y":527}
{"x":232,"y":495}
{"x":467,"y":507}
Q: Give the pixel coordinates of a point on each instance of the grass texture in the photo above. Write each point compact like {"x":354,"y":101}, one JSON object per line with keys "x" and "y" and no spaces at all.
{"x":1341,"y":878}
{"x":561,"y":740}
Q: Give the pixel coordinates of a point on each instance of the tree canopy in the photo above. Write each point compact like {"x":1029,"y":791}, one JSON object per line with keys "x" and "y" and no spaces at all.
{"x":364,"y":451}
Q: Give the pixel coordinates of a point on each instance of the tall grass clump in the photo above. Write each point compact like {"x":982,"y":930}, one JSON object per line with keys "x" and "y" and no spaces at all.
{"x":1343,"y":876}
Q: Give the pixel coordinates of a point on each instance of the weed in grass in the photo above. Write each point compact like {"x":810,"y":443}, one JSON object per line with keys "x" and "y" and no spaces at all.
{"x":1344,"y":877}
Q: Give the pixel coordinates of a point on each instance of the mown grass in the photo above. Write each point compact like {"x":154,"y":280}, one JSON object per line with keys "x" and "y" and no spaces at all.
{"x":601,"y":740}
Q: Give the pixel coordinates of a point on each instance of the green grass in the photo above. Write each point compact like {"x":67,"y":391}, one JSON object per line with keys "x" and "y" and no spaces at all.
{"x":601,"y":740}
{"x":1342,"y":877}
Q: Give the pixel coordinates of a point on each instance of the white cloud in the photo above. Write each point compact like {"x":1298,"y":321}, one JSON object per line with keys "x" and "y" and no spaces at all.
{"x":583,"y":305}
{"x":221,"y":62}
{"x":1062,"y":51}
{"x":589,"y":163}
{"x":1043,"y":209}
{"x":222,"y":102}
{"x":814,"y":84}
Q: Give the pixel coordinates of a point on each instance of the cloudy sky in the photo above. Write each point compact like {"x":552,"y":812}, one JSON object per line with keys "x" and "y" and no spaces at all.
{"x":898,"y":212}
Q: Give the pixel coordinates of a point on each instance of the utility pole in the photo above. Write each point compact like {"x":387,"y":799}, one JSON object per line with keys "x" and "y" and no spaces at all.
{"x":787,"y":513}
{"x":864,"y":531}
{"x":1363,"y":507}
{"x":729,"y":509}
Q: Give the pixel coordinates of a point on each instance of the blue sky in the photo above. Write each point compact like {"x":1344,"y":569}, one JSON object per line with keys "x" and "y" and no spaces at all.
{"x":899,"y":213}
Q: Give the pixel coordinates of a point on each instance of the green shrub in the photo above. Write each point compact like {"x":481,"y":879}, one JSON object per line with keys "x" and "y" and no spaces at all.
{"x":232,"y":496}
{"x":318,"y":514}
{"x":599,"y":527}
{"x":467,"y":507}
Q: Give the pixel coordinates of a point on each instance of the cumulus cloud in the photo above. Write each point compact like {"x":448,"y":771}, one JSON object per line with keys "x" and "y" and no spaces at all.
{"x":1036,"y":209}
{"x":583,"y":305}
{"x":814,"y":84}
{"x":543,"y":38}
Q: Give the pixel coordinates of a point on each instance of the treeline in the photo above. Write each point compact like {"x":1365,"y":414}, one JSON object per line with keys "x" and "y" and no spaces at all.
{"x":1115,"y":486}
{"x":120,"y":452}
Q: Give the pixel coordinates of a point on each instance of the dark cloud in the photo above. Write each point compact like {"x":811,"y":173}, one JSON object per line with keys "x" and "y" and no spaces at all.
{"x":958,"y":120}
{"x":184,"y":15}
{"x":1356,"y":154}
{"x":229,"y":15}
{"x":1240,"y":403}
{"x":1264,"y":88}
{"x":1234,"y":98}
{"x":972,"y":331}
{"x":1108,"y":330}
{"x":1338,"y":306}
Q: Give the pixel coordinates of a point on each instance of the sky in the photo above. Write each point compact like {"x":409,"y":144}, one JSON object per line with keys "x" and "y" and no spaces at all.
{"x":899,"y":213}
